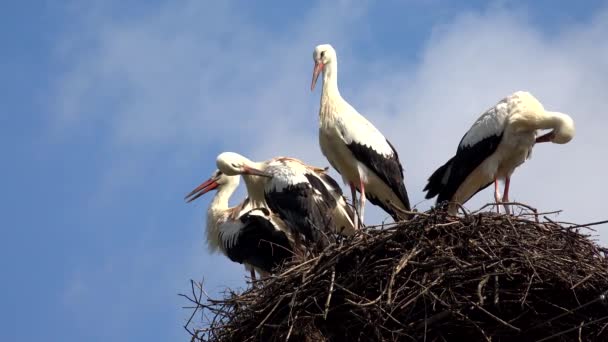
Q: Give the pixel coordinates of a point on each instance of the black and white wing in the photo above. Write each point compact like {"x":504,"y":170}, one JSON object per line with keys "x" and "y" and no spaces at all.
{"x":480,"y":142}
{"x":388,"y":168}
{"x":344,"y":215}
{"x":254,"y":239}
{"x":371,"y":148}
{"x":300,"y":199}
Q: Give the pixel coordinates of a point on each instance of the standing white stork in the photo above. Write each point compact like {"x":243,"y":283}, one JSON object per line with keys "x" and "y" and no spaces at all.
{"x":306,"y":198}
{"x":367,"y":161}
{"x":497,"y":143}
{"x":253,"y":237}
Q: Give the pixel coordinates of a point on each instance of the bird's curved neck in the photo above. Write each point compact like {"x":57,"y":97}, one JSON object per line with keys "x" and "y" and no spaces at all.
{"x":561,"y":124}
{"x":217,"y":213}
{"x":330,"y":82}
{"x":255,"y":187}
{"x":219,"y":203}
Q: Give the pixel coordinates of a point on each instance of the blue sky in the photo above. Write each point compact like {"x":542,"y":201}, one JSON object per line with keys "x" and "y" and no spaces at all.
{"x":112,"y":111}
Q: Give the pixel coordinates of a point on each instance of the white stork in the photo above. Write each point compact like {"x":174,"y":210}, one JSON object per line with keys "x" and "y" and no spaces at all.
{"x":253,"y":237}
{"x":367,"y":161}
{"x":497,"y":143}
{"x":306,"y":198}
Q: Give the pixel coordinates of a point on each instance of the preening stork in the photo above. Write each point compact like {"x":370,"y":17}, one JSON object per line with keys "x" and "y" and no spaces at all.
{"x":497,"y":143}
{"x":250,"y":236}
{"x":306,"y":198}
{"x":367,"y":161}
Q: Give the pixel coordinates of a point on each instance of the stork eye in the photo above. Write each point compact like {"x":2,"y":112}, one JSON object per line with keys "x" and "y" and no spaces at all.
{"x":322,"y":54}
{"x":234,"y":165}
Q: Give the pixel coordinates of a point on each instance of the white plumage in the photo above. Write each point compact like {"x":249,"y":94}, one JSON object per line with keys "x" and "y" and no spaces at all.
{"x":285,"y":172}
{"x":365,"y":159}
{"x":250,"y":236}
{"x":305,"y":197}
{"x":292,"y":178}
{"x":497,"y":143}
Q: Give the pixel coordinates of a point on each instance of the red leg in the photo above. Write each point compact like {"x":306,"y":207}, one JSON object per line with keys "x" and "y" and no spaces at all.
{"x":505,"y":198}
{"x":353,"y":191}
{"x":361,"y":203}
{"x":496,"y":194}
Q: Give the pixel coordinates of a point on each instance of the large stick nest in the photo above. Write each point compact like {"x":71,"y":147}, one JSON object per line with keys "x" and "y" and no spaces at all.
{"x":481,"y":276}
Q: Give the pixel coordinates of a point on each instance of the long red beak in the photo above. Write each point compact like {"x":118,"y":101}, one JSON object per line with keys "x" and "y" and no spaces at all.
{"x":202,"y":189}
{"x":255,"y":172}
{"x":315,"y":74}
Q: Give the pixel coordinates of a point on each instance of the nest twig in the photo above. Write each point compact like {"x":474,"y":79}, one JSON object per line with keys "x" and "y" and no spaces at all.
{"x":436,"y":277}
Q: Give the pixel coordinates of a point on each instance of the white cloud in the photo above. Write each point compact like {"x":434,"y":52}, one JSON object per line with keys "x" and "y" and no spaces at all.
{"x":171,"y":86}
{"x":184,"y":78}
{"x":187,"y":74}
{"x":468,"y":66}
{"x":190,"y":81}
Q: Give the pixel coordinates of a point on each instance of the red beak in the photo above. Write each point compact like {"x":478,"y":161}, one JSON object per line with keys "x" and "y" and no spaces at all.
{"x":315,"y":74}
{"x":202,"y":189}
{"x":252,"y":171}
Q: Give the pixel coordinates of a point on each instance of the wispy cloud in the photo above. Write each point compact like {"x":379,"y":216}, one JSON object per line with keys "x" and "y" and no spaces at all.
{"x":165,"y":91}
{"x":469,"y":65}
{"x":171,"y":87}
{"x":187,"y":74}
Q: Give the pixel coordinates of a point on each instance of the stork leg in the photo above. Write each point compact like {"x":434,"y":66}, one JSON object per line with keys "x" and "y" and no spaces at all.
{"x":353,"y":191}
{"x":361,"y":202}
{"x":497,"y":195}
{"x":253,"y":278}
{"x":505,"y":198}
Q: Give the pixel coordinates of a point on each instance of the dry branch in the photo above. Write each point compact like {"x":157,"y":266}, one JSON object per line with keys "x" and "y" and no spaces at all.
{"x":437,"y":277}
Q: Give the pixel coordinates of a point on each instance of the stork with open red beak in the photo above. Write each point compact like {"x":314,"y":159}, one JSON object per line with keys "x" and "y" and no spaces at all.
{"x":250,"y":236}
{"x":306,"y":198}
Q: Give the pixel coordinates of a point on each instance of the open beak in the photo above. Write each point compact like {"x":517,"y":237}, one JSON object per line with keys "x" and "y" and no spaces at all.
{"x":202,"y":189}
{"x":255,"y":172}
{"x":315,"y":74}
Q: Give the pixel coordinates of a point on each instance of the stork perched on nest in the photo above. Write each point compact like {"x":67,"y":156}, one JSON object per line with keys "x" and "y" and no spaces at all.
{"x":497,"y":143}
{"x":367,"y":161}
{"x":306,"y":198}
{"x":250,"y":236}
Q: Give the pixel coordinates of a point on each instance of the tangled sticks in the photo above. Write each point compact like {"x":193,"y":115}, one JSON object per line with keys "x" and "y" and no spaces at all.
{"x":482,"y":276}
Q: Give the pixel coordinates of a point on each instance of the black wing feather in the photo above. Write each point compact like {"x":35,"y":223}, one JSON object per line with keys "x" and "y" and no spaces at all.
{"x":332,"y":182}
{"x":259,"y":243}
{"x":388,"y":169}
{"x":457,"y":169}
{"x":338,"y":190}
{"x":435,"y":183}
{"x":295,"y":204}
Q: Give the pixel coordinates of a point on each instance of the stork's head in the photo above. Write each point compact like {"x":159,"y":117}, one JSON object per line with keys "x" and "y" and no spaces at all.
{"x":565,"y":131}
{"x":234,"y":164}
{"x":323,"y":55}
{"x":217,"y":180}
{"x":563,"y":128}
